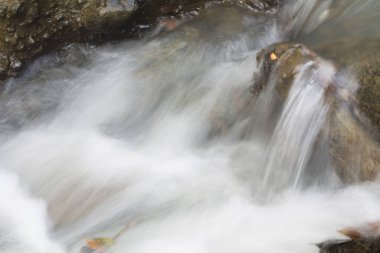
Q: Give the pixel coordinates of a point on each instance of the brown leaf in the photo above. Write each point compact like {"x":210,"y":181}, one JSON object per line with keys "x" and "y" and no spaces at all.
{"x":351,"y":233}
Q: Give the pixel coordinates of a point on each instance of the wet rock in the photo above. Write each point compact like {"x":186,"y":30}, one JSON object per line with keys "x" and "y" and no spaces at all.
{"x":363,"y":57}
{"x":15,"y":64}
{"x":365,"y":245}
{"x":353,"y":145}
{"x":281,"y":61}
{"x":362,"y":239}
{"x":29,"y":28}
{"x":149,"y":13}
{"x":356,"y":152}
{"x":4,"y":63}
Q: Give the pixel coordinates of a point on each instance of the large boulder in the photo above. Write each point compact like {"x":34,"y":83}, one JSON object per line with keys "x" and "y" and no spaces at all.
{"x":355,"y":154}
{"x":355,"y":145}
{"x":353,"y":125}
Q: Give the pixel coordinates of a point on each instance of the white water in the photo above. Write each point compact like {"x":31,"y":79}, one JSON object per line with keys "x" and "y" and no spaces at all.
{"x":164,"y":134}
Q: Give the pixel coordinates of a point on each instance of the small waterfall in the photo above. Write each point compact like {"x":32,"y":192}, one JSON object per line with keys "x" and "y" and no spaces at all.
{"x":295,"y":134}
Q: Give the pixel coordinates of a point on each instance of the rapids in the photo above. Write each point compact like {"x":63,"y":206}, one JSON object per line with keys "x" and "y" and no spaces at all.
{"x":164,"y":135}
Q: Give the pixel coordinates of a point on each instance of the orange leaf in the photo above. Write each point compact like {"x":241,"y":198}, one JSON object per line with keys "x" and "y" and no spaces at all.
{"x":94,"y":245}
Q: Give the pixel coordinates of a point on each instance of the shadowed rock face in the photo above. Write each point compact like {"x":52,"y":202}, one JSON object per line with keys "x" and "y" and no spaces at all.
{"x":29,"y":28}
{"x":150,"y":10}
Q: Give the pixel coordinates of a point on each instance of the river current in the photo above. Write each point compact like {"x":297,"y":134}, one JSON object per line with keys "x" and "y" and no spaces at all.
{"x":163,"y":135}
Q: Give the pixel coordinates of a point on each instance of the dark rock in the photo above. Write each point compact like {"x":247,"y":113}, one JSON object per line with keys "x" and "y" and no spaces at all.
{"x":365,"y":245}
{"x":15,"y":64}
{"x":149,"y":12}
{"x":29,"y":28}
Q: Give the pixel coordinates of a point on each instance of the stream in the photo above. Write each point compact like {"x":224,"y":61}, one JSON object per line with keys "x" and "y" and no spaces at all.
{"x":163,"y":135}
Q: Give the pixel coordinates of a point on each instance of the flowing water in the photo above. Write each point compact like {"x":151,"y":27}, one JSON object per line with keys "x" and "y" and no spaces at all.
{"x":163,"y":135}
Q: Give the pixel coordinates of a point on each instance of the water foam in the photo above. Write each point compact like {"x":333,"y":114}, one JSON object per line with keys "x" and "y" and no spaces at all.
{"x":165,"y":134}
